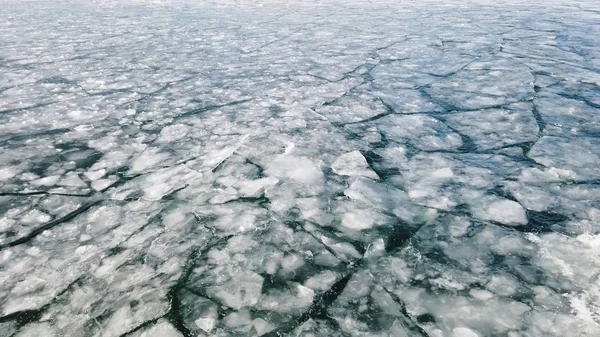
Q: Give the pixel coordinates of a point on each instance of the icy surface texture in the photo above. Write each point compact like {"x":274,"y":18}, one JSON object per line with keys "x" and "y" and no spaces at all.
{"x":299,"y":168}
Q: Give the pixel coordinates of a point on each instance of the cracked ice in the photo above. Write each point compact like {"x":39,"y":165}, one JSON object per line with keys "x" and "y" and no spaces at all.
{"x":299,"y":168}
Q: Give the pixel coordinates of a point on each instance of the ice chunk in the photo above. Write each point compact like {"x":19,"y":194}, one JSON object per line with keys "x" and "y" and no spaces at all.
{"x":385,"y":197}
{"x":38,"y":329}
{"x":322,"y":281}
{"x":294,"y":299}
{"x":127,"y":318}
{"x":254,"y":188}
{"x":464,"y":332}
{"x":95,"y":175}
{"x":496,"y":128}
{"x":356,"y":218}
{"x":580,"y":155}
{"x":375,"y":249}
{"x":72,"y":180}
{"x":172,"y":133}
{"x":162,"y":329}
{"x":504,"y":211}
{"x":199,"y":314}
{"x":238,"y":319}
{"x":148,"y":159}
{"x":216,"y":157}
{"x":302,"y":170}
{"x":353,"y":164}
{"x":102,"y":184}
{"x":157,"y":184}
{"x":482,"y":295}
{"x":341,"y":248}
{"x":262,"y":327}
{"x":35,"y":217}
{"x":315,"y":209}
{"x":7,"y":172}
{"x":242,"y":290}
{"x":206,"y":323}
{"x":503,"y":285}
{"x":421,"y":131}
{"x":46,"y":181}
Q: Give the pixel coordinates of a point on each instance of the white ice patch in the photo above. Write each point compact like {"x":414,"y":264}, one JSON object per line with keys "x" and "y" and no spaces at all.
{"x":464,"y":332}
{"x":148,"y":159}
{"x":421,"y":131}
{"x":215,"y":157}
{"x":206,"y":323}
{"x":72,"y":180}
{"x":296,"y":298}
{"x":580,"y":155}
{"x":249,"y":170}
{"x":384,"y":197}
{"x":495,"y":128}
{"x":46,"y":181}
{"x":358,"y":219}
{"x":7,"y":172}
{"x":504,"y":211}
{"x":353,"y":164}
{"x":161,"y":329}
{"x":261,"y":326}
{"x":375,"y":249}
{"x":322,"y":281}
{"x":254,"y":188}
{"x":301,"y":170}
{"x":242,"y":290}
{"x":102,"y":184}
{"x":95,"y":175}
{"x":172,"y":133}
{"x":159,"y":183}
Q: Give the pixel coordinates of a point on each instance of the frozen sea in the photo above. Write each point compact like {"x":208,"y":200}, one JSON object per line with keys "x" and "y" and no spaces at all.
{"x":299,"y":168}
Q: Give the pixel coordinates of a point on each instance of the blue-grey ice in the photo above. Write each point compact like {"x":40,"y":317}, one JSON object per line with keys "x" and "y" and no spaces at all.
{"x":173,"y":168}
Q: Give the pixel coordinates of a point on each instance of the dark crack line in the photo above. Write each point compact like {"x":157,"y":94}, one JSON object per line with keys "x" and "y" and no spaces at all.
{"x":210,"y":108}
{"x":174,"y":315}
{"x":319,"y":307}
{"x":345,"y":93}
{"x":278,"y":39}
{"x":537,"y":222}
{"x":468,"y":144}
{"x":580,"y":99}
{"x":261,"y":201}
{"x":261,"y":170}
{"x":31,"y":193}
{"x":409,"y":321}
{"x":452,"y":73}
{"x":147,"y":95}
{"x":142,"y":326}
{"x":123,"y":179}
{"x":453,"y":111}
{"x":27,"y":107}
{"x":22,"y":137}
{"x":26,"y":316}
{"x":39,"y":230}
{"x":445,"y":105}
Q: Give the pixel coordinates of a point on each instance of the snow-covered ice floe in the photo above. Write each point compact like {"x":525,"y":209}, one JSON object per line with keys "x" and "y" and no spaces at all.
{"x":299,"y":168}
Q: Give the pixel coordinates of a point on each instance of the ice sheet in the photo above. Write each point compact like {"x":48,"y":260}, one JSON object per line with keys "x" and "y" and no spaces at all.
{"x":299,"y":168}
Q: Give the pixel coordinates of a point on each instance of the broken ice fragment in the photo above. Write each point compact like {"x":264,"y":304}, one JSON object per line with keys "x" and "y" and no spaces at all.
{"x":353,"y":164}
{"x":262,"y":327}
{"x":206,"y":323}
{"x":464,"y":332}
{"x":242,"y":290}
{"x":504,"y":211}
